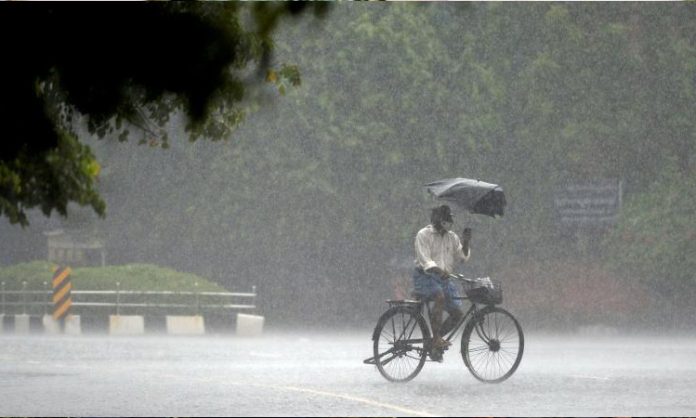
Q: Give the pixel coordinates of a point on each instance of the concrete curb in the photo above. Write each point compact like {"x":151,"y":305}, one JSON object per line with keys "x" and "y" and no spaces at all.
{"x":126,"y":325}
{"x":185,"y":325}
{"x":249,"y":325}
{"x":73,"y":325}
{"x":22,"y":324}
{"x":50,"y":325}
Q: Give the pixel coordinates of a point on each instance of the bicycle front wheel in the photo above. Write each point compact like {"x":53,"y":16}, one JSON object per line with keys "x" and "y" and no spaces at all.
{"x":492,"y":345}
{"x":399,"y":344}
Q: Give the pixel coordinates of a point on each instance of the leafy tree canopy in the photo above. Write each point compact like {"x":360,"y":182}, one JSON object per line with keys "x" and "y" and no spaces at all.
{"x":121,"y":66}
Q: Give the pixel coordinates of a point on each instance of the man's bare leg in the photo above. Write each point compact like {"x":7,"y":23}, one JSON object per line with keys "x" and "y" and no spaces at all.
{"x":455,"y":315}
{"x":436,"y":320}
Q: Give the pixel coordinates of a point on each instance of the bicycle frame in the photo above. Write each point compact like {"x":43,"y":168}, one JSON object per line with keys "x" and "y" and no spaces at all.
{"x":469,"y":313}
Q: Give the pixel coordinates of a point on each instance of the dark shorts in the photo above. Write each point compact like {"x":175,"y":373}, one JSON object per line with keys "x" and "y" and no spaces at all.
{"x":427,"y":285}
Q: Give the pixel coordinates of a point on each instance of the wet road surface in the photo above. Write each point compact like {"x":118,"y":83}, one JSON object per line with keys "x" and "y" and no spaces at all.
{"x":313,"y":374}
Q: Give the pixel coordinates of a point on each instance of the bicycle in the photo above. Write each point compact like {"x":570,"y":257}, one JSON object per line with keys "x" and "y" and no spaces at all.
{"x":492,"y":341}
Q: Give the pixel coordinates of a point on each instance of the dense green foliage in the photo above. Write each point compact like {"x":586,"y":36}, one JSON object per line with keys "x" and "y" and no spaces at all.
{"x":123,"y":67}
{"x":316,"y":199}
{"x":129,"y":277}
{"x":36,"y":276}
{"x":656,"y":237}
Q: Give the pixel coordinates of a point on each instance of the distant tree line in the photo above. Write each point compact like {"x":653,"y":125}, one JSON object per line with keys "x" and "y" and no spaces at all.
{"x":316,"y":198}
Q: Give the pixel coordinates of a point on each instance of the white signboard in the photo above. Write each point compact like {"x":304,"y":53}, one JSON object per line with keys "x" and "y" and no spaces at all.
{"x":589,"y":204}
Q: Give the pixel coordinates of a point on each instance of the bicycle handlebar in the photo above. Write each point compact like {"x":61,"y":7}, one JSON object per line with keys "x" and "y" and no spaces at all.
{"x":461,"y":278}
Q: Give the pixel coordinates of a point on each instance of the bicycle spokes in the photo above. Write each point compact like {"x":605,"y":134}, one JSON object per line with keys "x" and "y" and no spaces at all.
{"x":493,"y":346}
{"x":399,"y":345}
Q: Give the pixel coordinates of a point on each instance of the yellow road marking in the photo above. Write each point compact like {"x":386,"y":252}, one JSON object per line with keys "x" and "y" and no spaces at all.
{"x":350,"y":398}
{"x":322,"y":393}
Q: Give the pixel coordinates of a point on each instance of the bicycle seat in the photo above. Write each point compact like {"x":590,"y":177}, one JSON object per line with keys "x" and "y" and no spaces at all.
{"x":404,"y":302}
{"x":414,"y":299}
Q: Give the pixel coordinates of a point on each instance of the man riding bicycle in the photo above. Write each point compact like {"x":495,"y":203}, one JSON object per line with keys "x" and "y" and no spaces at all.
{"x":438,"y":250}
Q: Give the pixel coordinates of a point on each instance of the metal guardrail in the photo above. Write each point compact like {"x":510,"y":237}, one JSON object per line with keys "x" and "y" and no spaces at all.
{"x":32,"y":298}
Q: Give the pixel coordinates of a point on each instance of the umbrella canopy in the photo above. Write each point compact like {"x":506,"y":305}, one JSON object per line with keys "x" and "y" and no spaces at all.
{"x":472,"y":195}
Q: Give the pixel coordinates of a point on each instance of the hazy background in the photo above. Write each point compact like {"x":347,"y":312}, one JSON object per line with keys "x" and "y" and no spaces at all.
{"x":317,"y":197}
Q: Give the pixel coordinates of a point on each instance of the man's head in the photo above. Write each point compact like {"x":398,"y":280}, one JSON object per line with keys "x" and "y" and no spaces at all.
{"x":441,"y":218}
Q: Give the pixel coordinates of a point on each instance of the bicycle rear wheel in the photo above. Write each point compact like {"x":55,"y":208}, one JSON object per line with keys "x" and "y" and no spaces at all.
{"x":399,"y":344}
{"x":492,"y":345}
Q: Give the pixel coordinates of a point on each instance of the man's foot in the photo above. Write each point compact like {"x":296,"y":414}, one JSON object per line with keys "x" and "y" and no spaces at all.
{"x":440,"y":344}
{"x":436,"y":355}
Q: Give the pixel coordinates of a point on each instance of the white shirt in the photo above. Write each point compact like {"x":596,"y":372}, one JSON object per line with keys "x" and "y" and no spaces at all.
{"x":435,"y":250}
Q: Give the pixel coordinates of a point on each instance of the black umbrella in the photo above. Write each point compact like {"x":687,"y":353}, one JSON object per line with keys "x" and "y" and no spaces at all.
{"x":472,"y":195}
